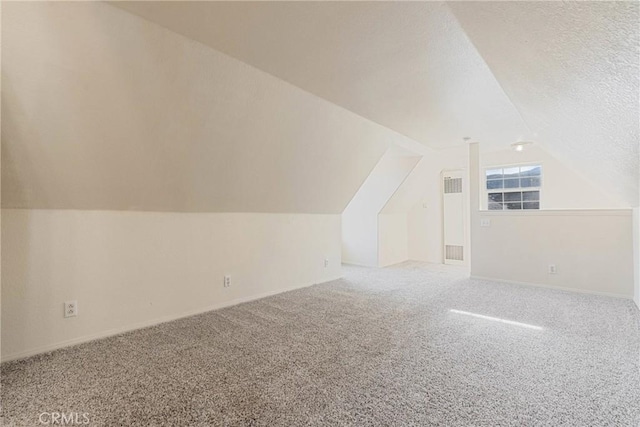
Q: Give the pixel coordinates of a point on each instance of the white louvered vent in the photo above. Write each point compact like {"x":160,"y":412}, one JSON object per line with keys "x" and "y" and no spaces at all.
{"x":452,"y":185}
{"x":453,"y":217}
{"x":454,"y":252}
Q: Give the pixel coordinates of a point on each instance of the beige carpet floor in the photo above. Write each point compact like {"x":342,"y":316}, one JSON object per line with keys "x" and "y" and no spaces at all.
{"x":410,"y":345}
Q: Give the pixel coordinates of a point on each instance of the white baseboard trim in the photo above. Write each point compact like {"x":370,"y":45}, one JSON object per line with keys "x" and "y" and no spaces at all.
{"x":146,"y":324}
{"x":358,"y":265}
{"x":557,"y":288}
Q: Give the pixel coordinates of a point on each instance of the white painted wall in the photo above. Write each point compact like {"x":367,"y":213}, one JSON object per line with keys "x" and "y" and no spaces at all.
{"x":592,"y":249}
{"x":423,"y":241}
{"x":131,"y":269}
{"x":562,"y":187}
{"x":360,"y":235}
{"x":419,"y":196}
{"x":393,"y":246}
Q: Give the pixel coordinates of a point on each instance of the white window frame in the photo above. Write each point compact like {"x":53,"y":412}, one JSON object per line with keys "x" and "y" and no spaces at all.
{"x":486,"y":191}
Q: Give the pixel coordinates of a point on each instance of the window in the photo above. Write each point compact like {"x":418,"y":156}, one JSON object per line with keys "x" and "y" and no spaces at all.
{"x":514,"y":187}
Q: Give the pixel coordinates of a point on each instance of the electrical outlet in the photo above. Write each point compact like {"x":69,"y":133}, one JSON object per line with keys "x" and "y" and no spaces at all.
{"x":485,"y":222}
{"x":326,"y":262}
{"x":227,"y":281}
{"x":70,"y":308}
{"x":553,"y":269}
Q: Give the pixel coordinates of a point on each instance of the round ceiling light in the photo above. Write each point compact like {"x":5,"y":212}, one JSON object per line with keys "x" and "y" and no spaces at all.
{"x":519,"y":146}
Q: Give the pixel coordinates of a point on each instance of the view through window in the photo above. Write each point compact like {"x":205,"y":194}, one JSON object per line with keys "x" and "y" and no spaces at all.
{"x":514,"y":187}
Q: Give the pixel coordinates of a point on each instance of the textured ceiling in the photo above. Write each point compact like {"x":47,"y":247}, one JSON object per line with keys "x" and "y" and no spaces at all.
{"x":104,"y":110}
{"x":405,"y":65}
{"x":572,"y":70}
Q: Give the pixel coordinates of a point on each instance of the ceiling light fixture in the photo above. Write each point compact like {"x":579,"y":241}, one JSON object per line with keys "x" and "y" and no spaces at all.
{"x":519,"y":146}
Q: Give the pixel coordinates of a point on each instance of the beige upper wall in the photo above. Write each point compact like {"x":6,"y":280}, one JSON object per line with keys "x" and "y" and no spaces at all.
{"x":105,"y":110}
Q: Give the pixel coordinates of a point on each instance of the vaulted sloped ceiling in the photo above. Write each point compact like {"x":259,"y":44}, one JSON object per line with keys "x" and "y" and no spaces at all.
{"x":406,"y":65}
{"x":564,"y":74}
{"x":572,"y":69}
{"x":105,"y":110}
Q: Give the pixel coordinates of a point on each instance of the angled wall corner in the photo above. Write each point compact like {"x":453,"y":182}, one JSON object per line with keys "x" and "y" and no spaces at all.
{"x":360,"y":219}
{"x":419,"y":199}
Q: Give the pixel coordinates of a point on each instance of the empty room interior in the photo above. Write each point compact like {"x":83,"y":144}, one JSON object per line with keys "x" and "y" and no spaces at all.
{"x":229,"y":213}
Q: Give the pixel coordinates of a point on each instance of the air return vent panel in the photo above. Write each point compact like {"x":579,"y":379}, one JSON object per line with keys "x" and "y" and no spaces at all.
{"x":453,"y":198}
{"x":454,"y":253}
{"x":452,"y":185}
